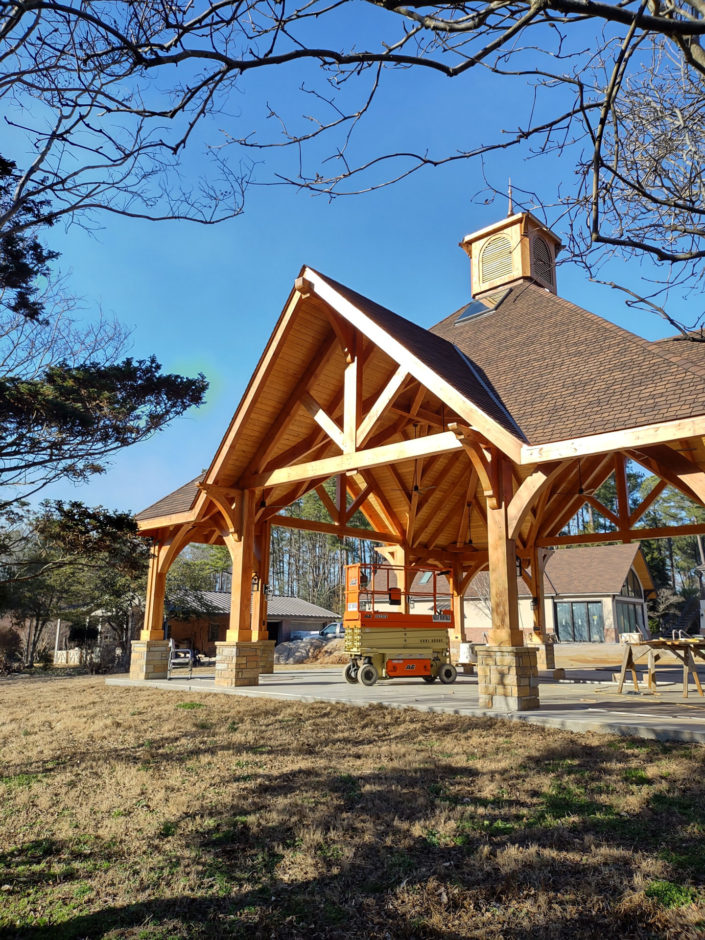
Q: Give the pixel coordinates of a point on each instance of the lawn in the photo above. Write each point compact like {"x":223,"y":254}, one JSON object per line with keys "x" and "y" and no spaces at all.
{"x":139,"y":813}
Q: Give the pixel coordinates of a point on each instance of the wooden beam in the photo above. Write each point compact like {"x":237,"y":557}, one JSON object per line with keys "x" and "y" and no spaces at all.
{"x":352,"y":381}
{"x":623,"y":440}
{"x":676,"y":469}
{"x":527,"y":493}
{"x":604,"y":511}
{"x":329,"y":528}
{"x":330,"y":506}
{"x":387,"y":512}
{"x":384,"y":399}
{"x":445,"y":442}
{"x":631,"y":535}
{"x":357,"y":503}
{"x":323,"y":419}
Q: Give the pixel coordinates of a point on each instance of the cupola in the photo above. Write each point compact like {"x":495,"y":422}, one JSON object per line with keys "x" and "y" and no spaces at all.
{"x":517,"y":249}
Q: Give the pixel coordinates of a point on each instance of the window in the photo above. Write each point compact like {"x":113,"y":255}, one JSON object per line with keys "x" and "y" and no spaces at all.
{"x":632,"y":585}
{"x":541,"y":260}
{"x":496,"y":259}
{"x":580,"y":622}
{"x":213,"y":632}
{"x":630,"y":617}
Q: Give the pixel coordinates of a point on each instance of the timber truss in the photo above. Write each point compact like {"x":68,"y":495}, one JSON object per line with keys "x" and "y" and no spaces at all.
{"x":416,"y":442}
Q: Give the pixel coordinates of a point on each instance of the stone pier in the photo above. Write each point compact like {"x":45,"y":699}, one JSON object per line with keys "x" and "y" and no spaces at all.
{"x":266,"y":657}
{"x":150,"y":659}
{"x":507,"y":678}
{"x":237,"y":664}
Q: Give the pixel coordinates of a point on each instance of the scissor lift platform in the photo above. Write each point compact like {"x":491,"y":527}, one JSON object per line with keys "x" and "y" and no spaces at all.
{"x":396,"y":624}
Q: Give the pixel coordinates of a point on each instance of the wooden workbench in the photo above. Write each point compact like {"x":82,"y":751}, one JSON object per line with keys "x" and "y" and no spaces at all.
{"x":685,"y":650}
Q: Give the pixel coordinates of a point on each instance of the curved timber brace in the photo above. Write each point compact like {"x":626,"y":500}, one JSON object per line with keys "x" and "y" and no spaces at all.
{"x":161,"y":558}
{"x":237,"y":509}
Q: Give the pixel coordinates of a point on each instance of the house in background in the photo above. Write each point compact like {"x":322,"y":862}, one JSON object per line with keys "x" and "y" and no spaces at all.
{"x":285,"y":615}
{"x":593,"y":594}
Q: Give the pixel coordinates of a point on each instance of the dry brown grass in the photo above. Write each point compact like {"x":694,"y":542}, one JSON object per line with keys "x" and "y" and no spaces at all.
{"x":127,"y":814}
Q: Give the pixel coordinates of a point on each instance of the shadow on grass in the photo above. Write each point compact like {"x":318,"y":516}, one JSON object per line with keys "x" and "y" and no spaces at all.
{"x":416,"y":852}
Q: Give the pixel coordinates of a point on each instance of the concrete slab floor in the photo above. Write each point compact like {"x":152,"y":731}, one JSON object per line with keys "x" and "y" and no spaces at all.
{"x":586,"y":701}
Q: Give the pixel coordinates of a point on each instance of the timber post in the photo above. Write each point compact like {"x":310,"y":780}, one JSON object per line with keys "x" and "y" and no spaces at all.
{"x":237,"y":659}
{"x":150,"y":654}
{"x":507,"y":672}
{"x":540,"y":639}
{"x":258,"y":616}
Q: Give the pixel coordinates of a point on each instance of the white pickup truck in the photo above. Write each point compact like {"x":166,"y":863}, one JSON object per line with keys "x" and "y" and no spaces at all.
{"x":332,"y":630}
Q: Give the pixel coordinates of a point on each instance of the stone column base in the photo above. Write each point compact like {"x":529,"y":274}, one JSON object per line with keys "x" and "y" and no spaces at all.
{"x":545,"y":653}
{"x":266,"y":657}
{"x":236,"y":664}
{"x":507,"y":678}
{"x":150,"y":659}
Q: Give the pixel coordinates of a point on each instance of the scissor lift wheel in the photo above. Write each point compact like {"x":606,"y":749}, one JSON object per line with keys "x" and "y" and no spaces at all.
{"x":368,"y":675}
{"x":350,"y":673}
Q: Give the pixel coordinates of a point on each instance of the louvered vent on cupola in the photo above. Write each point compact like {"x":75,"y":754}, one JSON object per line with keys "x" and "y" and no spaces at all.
{"x":518,"y":248}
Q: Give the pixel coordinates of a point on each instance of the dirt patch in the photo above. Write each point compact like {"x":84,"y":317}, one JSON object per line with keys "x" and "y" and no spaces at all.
{"x":141,"y":813}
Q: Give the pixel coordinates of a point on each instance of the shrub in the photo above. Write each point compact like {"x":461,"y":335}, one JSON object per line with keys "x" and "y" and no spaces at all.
{"x":10,"y":649}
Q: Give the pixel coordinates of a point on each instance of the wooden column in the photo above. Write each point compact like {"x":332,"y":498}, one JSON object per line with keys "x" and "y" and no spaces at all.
{"x":150,"y":654}
{"x":457,"y":598}
{"x":507,"y":674}
{"x":538,"y":564}
{"x":241,"y":546}
{"x":503,"y":580}
{"x":258,"y":623}
{"x":153,"y":627}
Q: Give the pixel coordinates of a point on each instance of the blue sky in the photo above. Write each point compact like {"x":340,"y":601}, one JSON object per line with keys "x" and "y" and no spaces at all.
{"x":206,"y":298}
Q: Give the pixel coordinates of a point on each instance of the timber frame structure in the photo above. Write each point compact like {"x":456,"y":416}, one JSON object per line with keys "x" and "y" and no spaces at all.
{"x":468,"y":446}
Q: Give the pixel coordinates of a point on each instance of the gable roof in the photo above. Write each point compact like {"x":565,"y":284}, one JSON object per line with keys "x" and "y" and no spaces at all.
{"x":535,"y":369}
{"x":588,"y":569}
{"x":434,"y":350}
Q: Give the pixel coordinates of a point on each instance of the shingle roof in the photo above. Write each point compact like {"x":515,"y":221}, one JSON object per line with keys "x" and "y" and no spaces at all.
{"x":178,"y":501}
{"x":541,"y":367}
{"x":585,"y":570}
{"x":563,"y":372}
{"x":278,"y":607}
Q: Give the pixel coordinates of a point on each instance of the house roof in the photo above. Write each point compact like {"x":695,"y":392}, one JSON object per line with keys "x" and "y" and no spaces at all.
{"x":279,"y":607}
{"x":592,"y":569}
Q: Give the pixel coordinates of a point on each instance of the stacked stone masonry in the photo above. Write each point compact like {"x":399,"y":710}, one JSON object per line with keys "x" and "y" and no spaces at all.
{"x":507,"y":678}
{"x":266,"y":657}
{"x":237,"y":664}
{"x":150,"y":659}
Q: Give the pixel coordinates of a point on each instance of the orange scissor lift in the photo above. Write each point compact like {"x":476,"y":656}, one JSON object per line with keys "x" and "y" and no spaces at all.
{"x":384,"y":635}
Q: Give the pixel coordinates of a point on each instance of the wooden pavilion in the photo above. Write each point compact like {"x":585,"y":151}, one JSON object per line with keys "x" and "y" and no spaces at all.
{"x":467,"y":446}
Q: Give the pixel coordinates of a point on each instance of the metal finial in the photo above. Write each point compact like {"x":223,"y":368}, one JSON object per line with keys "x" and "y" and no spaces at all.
{"x":510,"y":210}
